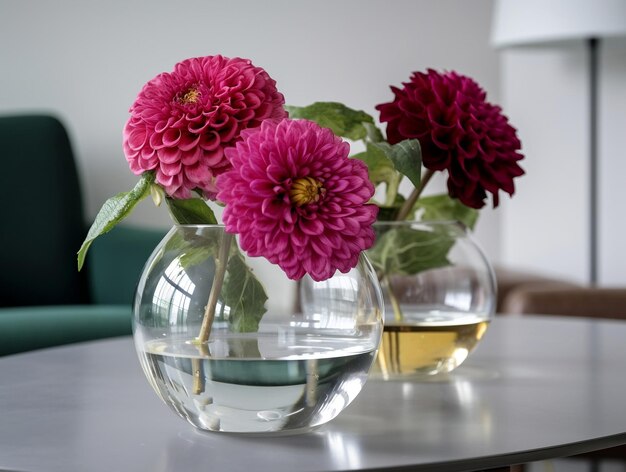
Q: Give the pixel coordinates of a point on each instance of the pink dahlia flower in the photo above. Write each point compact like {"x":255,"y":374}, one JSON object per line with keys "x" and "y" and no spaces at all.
{"x":295,"y":197}
{"x":459,"y":131}
{"x":182,"y":121}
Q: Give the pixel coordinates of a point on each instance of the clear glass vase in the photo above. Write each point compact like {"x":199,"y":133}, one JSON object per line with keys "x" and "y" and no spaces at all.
{"x":440,"y":295}
{"x":231,"y":344}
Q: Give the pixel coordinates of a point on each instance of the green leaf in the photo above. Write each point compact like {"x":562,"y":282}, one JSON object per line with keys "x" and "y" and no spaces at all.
{"x":381,"y":170}
{"x":390,"y":212}
{"x":244,"y":294}
{"x":197,"y":249}
{"x":374,"y":134}
{"x":444,"y":207}
{"x":404,"y":251}
{"x":343,"y":121}
{"x":194,"y":248}
{"x":114,"y":210}
{"x":191,"y":211}
{"x":379,"y":166}
{"x":406,"y":157}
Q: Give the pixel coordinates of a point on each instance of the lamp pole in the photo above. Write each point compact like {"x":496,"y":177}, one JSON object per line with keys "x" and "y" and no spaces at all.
{"x":592,"y":44}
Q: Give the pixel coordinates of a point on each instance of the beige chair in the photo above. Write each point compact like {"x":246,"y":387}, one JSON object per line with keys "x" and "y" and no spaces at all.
{"x":567,"y":301}
{"x":511,"y":281}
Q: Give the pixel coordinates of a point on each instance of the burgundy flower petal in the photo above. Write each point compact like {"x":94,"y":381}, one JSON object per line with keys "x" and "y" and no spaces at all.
{"x":459,"y":131}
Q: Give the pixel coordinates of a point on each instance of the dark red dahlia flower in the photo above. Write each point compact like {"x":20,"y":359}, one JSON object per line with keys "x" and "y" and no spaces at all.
{"x":182,"y":121}
{"x":296,"y":198}
{"x":459,"y":131}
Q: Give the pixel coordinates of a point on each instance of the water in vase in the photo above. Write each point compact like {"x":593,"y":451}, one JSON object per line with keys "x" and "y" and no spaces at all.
{"x":232,"y":387}
{"x":428,"y":345}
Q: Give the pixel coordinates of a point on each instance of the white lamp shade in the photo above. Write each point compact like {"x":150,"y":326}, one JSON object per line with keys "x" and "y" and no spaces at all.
{"x":519,"y":22}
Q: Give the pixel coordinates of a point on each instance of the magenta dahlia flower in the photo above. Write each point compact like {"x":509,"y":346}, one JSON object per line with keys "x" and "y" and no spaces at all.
{"x":295,"y":197}
{"x":459,"y":131}
{"x":182,"y":121}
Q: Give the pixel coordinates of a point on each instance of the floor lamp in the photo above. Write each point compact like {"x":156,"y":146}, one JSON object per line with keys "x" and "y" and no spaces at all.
{"x":534,"y":22}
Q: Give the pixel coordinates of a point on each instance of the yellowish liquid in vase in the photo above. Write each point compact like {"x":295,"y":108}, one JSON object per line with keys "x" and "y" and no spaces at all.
{"x":426,"y":348}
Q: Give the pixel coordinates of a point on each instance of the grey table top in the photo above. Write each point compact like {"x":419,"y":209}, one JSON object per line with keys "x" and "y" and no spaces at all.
{"x":537,"y":387}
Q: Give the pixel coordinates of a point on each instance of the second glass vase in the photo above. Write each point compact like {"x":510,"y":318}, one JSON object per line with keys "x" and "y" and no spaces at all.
{"x":440,"y":295}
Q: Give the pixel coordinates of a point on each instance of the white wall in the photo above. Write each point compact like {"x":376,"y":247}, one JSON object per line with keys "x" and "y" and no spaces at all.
{"x":87,"y":61}
{"x":545,"y":227}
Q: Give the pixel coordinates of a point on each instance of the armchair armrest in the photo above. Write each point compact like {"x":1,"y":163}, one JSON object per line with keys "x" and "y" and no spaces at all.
{"x":511,"y":280}
{"x":27,"y":328}
{"x":556,"y":300}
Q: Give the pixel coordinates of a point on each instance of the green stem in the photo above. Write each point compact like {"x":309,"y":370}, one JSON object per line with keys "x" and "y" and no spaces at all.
{"x":216,"y":288}
{"x":409,"y":203}
{"x":397,"y":312}
{"x":209,"y":311}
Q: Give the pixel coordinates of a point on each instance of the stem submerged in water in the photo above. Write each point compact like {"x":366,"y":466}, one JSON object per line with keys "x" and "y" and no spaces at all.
{"x":397,"y":312}
{"x":209,"y":312}
{"x":403,"y":213}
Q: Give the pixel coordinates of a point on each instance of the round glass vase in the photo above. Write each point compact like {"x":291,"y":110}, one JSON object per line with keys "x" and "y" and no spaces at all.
{"x":230,"y":344}
{"x":439,"y":292}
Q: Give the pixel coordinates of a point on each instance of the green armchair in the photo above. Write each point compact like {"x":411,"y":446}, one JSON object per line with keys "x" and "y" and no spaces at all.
{"x":44,"y":300}
{"x":113,"y":268}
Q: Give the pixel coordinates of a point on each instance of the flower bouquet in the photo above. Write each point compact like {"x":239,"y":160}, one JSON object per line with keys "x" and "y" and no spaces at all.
{"x":215,"y":132}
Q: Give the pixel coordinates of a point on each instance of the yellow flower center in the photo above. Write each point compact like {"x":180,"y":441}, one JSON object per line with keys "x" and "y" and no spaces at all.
{"x":306,"y":190}
{"x":190,"y":96}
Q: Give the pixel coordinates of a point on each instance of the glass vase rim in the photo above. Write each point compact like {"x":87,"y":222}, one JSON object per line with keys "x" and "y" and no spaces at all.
{"x":452,"y":223}
{"x":199,"y":225}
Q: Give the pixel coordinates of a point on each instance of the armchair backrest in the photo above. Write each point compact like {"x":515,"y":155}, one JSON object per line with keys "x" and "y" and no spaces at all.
{"x":42,"y":225}
{"x":115,"y":262}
